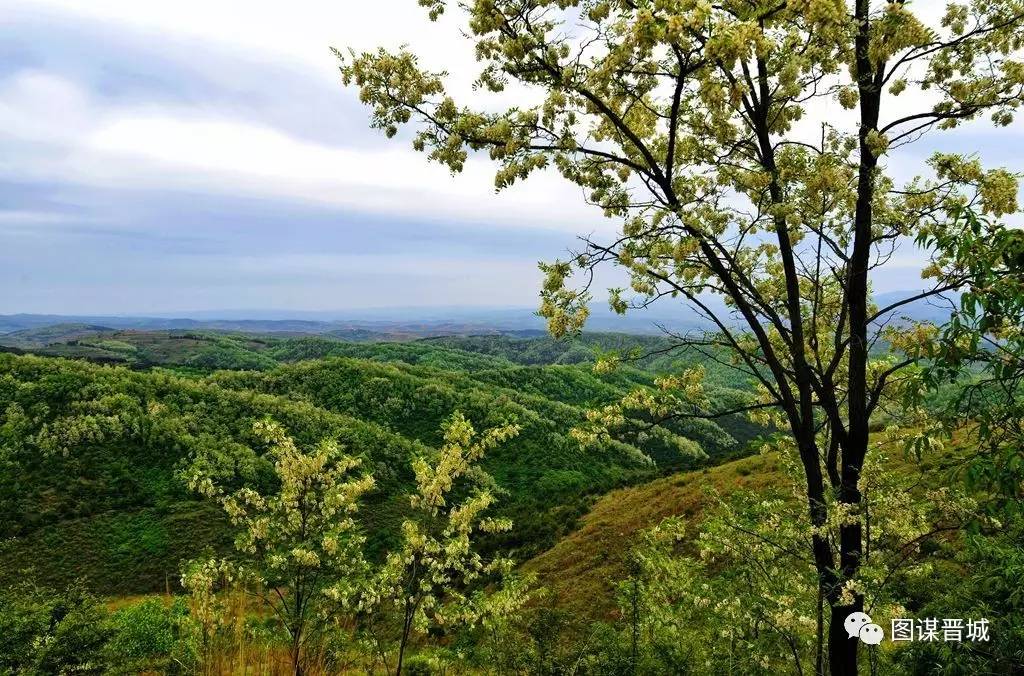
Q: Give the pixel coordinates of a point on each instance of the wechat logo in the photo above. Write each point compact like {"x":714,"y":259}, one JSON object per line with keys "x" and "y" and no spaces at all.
{"x":859,"y":625}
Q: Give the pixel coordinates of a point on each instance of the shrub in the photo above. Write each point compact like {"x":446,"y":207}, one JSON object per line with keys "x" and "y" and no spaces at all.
{"x":146,"y":636}
{"x":46,"y":632}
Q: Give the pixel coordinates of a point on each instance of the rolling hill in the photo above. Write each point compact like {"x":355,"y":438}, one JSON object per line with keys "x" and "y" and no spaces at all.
{"x":581,"y":570}
{"x":91,"y":452}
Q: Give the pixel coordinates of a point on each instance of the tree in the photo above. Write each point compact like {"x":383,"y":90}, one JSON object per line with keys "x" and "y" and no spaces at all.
{"x":300,"y":548}
{"x":983,"y":344}
{"x":297,"y":541}
{"x":740,"y":595}
{"x":982,"y":347}
{"x":434,"y":578}
{"x":717,"y":134}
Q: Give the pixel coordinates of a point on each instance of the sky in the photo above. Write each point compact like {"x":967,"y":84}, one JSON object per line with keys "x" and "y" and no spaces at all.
{"x":204,"y":155}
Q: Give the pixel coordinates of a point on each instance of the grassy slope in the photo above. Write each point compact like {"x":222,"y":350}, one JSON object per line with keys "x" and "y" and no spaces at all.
{"x":579,"y":572}
{"x":117,"y":552}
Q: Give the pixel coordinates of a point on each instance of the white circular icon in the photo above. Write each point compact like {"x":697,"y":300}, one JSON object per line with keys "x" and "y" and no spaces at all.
{"x":854,"y":622}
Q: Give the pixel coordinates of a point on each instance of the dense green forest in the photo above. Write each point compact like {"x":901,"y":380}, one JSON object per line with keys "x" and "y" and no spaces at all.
{"x":93,"y":452}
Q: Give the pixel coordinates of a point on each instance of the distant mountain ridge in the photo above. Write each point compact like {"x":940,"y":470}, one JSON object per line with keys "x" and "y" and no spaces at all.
{"x":520,"y":322}
{"x":408,"y":323}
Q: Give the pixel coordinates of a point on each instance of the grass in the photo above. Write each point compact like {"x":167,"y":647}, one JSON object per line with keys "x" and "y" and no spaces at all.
{"x":579,"y":572}
{"x":123,"y":552}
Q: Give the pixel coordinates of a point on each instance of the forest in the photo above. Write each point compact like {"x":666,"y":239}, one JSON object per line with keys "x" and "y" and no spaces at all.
{"x":126,"y":549}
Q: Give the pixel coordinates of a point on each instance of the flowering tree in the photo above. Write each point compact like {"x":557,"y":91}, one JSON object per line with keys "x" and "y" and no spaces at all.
{"x":295,"y":541}
{"x":301,"y":549}
{"x":742,"y":591}
{"x":215,"y":603}
{"x":743,"y":146}
{"x":434,"y":578}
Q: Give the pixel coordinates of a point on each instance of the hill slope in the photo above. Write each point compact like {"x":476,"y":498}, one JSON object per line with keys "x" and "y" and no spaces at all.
{"x":580,"y":571}
{"x":89,"y":454}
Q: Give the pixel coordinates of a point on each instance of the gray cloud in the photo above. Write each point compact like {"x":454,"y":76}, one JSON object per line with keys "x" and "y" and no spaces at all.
{"x":153,"y":170}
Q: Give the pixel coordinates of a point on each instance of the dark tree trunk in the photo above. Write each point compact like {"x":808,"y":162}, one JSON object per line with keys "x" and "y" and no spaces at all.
{"x":296,"y":652}
{"x":842,"y":649}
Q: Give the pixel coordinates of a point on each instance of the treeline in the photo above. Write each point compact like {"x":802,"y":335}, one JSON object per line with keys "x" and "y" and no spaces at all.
{"x":213,"y":350}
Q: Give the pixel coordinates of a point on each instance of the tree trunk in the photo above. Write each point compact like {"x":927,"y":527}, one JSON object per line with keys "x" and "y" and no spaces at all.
{"x":296,"y":632}
{"x":401,"y":657}
{"x":842,"y":648}
{"x":819,"y":648}
{"x":410,"y":613}
{"x":296,"y":657}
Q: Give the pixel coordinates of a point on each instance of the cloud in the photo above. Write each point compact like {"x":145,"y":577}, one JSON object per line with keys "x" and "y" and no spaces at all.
{"x":56,"y":131}
{"x":246,"y":159}
{"x":207,"y":150}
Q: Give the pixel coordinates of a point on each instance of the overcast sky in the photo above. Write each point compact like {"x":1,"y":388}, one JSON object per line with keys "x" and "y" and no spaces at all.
{"x":202,"y":154}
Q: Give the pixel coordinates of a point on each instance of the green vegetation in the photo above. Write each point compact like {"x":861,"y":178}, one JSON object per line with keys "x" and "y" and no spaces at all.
{"x":97,"y":460}
{"x":141,"y":349}
{"x":355,"y":486}
{"x":93,"y":454}
{"x":96,"y":457}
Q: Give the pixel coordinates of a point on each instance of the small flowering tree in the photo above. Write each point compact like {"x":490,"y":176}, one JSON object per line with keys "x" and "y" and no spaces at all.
{"x":213,"y":607}
{"x":435,"y":579}
{"x":301,"y":548}
{"x":296,"y":541}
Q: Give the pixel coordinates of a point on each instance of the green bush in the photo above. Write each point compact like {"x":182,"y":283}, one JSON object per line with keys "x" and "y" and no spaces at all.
{"x":43,"y":632}
{"x":146,"y":636}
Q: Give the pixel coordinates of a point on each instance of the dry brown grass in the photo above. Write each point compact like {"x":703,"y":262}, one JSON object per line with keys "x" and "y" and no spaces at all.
{"x":580,"y":571}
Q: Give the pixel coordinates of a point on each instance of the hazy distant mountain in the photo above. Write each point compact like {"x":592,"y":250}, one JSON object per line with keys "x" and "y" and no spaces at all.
{"x":415,"y":322}
{"x":935,"y":309}
{"x":366,"y":324}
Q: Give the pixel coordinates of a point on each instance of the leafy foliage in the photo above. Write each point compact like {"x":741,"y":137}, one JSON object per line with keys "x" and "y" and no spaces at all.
{"x":437,"y":579}
{"x":301,"y":552}
{"x":985,"y":340}
{"x":296,"y":539}
{"x":46,"y":632}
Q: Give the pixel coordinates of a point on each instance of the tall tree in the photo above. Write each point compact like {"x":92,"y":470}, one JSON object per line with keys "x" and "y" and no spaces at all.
{"x":743,"y":145}
{"x":434,"y":579}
